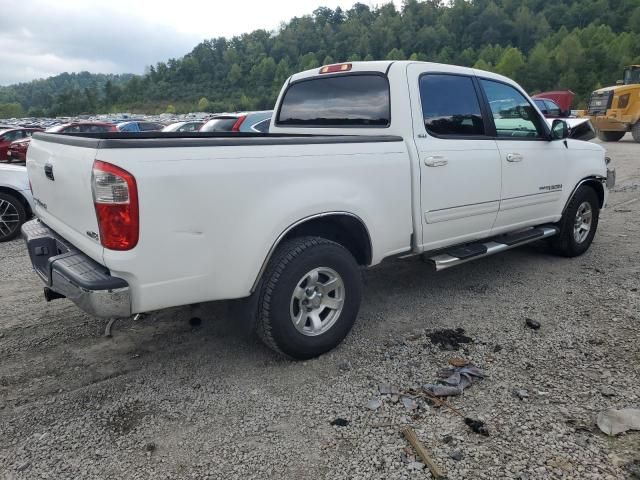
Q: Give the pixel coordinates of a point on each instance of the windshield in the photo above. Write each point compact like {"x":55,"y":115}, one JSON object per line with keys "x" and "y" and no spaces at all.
{"x":631,"y":75}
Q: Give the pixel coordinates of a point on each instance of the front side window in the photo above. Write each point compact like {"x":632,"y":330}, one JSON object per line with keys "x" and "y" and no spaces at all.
{"x":541,"y":106}
{"x":512,"y":113}
{"x":337,"y":101}
{"x":450,"y":105}
{"x":263,"y":126}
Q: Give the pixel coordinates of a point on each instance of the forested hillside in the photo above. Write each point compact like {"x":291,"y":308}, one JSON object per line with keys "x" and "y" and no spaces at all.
{"x":62,"y":94}
{"x":574,"y":44}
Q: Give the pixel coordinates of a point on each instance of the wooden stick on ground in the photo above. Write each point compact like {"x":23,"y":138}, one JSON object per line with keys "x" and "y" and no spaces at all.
{"x":411,"y":437}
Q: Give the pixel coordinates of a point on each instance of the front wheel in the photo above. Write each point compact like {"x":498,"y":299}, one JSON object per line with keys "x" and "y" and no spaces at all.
{"x":309,"y":298}
{"x":12,"y":216}
{"x":635,"y":132}
{"x":610,"y":136}
{"x":578,"y":224}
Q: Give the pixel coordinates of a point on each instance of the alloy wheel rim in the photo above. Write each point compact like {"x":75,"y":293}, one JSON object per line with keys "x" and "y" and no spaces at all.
{"x":583,"y":222}
{"x":9,"y":218}
{"x":317,"y":301}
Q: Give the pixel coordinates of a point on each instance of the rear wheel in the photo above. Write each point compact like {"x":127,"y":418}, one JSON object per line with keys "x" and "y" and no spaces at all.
{"x":610,"y":136}
{"x":635,"y":131}
{"x":12,"y":216}
{"x":309,"y":298}
{"x":578,"y":224}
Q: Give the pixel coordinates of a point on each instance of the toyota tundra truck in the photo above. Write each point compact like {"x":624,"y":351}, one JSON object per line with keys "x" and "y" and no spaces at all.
{"x":363,"y":162}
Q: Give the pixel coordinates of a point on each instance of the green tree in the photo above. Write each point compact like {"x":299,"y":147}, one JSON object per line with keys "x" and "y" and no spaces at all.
{"x":170,"y":109}
{"x":203,"y":104}
{"x":511,"y":63}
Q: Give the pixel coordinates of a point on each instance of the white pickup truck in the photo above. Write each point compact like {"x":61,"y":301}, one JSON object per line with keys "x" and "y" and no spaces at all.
{"x":363,"y":161}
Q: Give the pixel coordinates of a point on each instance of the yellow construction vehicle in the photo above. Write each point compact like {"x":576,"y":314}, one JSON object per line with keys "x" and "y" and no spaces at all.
{"x":614,"y":111}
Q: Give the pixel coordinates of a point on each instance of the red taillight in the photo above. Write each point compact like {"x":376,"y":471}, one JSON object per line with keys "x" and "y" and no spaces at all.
{"x":339,"y":67}
{"x":115,"y":196}
{"x":236,"y":126}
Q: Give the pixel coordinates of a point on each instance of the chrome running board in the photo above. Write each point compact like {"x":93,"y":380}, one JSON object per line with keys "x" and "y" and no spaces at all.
{"x":458,"y":255}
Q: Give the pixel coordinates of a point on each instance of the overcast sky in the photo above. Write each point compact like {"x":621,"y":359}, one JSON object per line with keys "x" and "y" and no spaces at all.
{"x":40,"y":38}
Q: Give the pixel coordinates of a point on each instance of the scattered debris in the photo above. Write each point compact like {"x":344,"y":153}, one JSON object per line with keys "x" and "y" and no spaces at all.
{"x":415,"y":466}
{"x":447,"y":439}
{"x":387,"y":389}
{"x":497,"y":348}
{"x":477,"y":426}
{"x":374,"y":404}
{"x":459,"y":362}
{"x":449,"y":339}
{"x":607,"y":392}
{"x":109,"y":327}
{"x":532,"y":324}
{"x":420,"y":449}
{"x":23,"y":466}
{"x":345,"y":366}
{"x":150,"y":447}
{"x":457,"y":455}
{"x":340,"y":422}
{"x":634,"y":469}
{"x":613,"y":422}
{"x":521,"y":393}
{"x":409,"y":403}
{"x":455,"y":380}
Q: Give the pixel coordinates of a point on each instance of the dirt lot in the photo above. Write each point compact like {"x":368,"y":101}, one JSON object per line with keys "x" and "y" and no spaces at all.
{"x":170,"y":398}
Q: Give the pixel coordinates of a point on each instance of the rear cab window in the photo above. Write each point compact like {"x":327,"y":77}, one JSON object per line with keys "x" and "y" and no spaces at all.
{"x":349,"y":100}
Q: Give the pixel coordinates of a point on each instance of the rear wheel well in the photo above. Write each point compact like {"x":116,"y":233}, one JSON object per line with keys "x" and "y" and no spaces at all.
{"x":19,"y":196}
{"x":347,"y":230}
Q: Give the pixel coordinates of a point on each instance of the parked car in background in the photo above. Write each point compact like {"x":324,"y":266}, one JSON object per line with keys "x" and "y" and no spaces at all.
{"x":16,"y":203}
{"x":18,"y":152}
{"x":83,"y":127}
{"x":10,"y":135}
{"x":140,"y":126}
{"x":555,"y":104}
{"x":183,"y":127}
{"x":239,"y":122}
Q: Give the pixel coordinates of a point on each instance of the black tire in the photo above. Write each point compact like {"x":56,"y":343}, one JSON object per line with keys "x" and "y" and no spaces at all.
{"x":289,"y":265}
{"x":635,"y":132}
{"x":610,"y":136}
{"x":565,"y":243}
{"x":11,"y":209}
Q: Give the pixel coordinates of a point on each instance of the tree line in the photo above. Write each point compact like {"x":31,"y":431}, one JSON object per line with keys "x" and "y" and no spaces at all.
{"x":579,"y":45}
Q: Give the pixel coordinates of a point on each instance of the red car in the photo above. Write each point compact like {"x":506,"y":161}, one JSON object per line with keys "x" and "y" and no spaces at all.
{"x":17,"y":151}
{"x":555,"y":104}
{"x":11,"y":135}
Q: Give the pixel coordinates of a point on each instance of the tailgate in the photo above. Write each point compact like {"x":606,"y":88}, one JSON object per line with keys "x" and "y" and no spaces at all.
{"x":60,"y":177}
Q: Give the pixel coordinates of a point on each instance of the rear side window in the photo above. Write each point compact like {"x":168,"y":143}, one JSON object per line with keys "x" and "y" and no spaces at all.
{"x":219,"y":125}
{"x":450,"y":105}
{"x":339,"y":101}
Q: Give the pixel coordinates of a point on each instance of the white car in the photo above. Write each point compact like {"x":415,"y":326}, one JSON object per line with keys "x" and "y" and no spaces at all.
{"x":364,"y":161}
{"x":16,"y":203}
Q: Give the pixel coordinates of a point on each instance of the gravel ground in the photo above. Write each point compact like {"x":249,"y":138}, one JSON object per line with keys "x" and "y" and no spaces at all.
{"x":167,"y":397}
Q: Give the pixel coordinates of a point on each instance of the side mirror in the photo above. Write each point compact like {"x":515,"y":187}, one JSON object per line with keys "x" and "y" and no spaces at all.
{"x":559,"y":130}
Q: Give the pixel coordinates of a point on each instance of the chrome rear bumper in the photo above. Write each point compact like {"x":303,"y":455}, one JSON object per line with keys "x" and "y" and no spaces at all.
{"x":70,"y":273}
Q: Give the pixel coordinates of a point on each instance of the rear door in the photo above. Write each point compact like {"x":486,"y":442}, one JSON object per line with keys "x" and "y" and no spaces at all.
{"x":459,"y":159}
{"x":532,"y":166}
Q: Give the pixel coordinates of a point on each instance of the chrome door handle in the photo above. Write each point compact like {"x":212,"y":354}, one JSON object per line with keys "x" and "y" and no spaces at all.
{"x":514,"y":157}
{"x":436,"y":161}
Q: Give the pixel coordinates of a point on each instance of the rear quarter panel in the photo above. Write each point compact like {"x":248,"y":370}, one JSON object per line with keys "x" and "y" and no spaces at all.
{"x":209,"y":215}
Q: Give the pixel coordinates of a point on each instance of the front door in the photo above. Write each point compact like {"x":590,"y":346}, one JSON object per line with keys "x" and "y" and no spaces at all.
{"x":532,"y":166}
{"x":459,"y":161}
